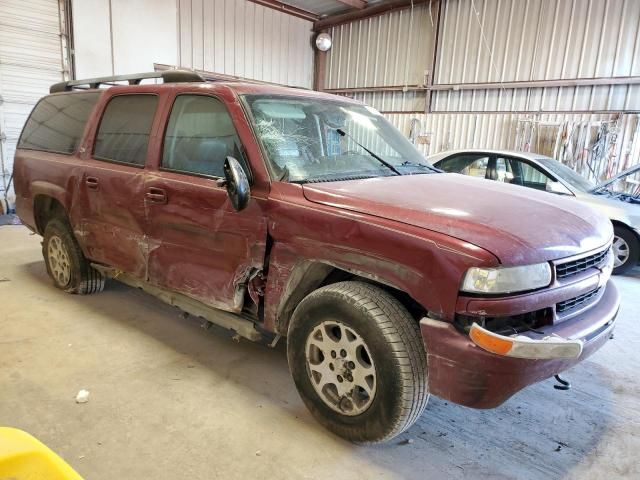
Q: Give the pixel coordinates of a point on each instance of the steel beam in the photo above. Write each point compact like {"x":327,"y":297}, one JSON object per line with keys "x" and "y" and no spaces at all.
{"x":359,"y":4}
{"x":577,"y":82}
{"x":374,"y":10}
{"x":291,"y":10}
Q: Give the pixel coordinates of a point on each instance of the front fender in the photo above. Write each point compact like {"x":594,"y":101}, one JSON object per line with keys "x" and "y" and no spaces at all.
{"x":310,"y":240}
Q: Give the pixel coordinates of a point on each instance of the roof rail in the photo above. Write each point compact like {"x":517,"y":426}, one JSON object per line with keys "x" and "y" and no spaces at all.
{"x":168,"y":76}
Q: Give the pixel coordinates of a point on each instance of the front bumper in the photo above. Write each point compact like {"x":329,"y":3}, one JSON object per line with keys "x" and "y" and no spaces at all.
{"x":464,"y":373}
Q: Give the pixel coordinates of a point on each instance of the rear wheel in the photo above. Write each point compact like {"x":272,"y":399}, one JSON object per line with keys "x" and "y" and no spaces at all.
{"x":626,"y":250}
{"x":358,"y":361}
{"x":66,"y":265}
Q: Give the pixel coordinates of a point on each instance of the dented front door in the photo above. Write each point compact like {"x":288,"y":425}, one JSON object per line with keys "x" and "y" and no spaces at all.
{"x":198,"y":244}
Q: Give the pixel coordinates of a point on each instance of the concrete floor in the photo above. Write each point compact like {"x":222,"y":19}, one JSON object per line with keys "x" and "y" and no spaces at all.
{"x":170,"y":400}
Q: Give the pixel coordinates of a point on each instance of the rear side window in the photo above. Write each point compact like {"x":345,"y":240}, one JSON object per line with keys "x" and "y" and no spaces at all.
{"x":124,"y":131}
{"x":200,"y":135}
{"x":57,"y":122}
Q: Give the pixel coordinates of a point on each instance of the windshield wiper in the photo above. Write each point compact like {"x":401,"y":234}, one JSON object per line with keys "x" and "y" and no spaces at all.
{"x":284,"y":176}
{"x":408,"y":163}
{"x":342,"y":133}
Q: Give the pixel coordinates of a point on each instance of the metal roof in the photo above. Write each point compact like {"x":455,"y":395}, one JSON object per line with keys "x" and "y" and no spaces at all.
{"x":327,"y":7}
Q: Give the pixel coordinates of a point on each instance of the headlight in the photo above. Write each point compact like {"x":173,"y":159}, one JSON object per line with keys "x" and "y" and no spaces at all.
{"x":506,"y":279}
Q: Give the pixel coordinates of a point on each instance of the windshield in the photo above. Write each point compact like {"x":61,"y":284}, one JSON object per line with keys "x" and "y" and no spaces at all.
{"x":573,"y":178}
{"x":310,"y":140}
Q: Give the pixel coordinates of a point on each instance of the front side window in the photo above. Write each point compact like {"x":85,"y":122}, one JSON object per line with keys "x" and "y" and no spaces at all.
{"x":57,"y":122}
{"x":527,"y":175}
{"x":199,"y":137}
{"x":308,"y":140}
{"x":124,"y":131}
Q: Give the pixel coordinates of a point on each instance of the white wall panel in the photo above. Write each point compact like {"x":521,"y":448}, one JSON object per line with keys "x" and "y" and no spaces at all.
{"x":123,"y":36}
{"x":241,"y":38}
{"x":92,"y":38}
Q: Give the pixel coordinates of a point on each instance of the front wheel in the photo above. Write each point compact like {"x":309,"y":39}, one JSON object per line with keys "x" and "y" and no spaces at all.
{"x":358,"y":361}
{"x":626,"y":250}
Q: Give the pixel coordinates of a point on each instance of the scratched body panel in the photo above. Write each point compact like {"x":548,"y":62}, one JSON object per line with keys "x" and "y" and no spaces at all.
{"x":426,"y":266}
{"x":199,"y":245}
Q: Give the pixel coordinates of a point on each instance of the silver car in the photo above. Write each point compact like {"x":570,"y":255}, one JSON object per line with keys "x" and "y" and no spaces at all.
{"x":543,"y":173}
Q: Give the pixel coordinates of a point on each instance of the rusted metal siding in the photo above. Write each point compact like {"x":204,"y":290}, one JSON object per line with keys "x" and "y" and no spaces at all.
{"x":391,"y":49}
{"x":245,"y":39}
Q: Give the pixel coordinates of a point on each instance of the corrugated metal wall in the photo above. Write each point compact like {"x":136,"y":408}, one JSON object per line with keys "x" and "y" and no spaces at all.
{"x":486,"y":41}
{"x":523,"y":40}
{"x":395,"y":49}
{"x":245,"y":39}
{"x":391,"y":49}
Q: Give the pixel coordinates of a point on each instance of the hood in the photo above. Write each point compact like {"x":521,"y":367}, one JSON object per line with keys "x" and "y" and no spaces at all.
{"x":614,"y":208}
{"x":518,"y":225}
{"x":622,"y":174}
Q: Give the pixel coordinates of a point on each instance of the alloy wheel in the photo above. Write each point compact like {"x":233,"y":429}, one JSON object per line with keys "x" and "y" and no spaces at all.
{"x":59,"y":260}
{"x":620,"y":251}
{"x":341,"y":368}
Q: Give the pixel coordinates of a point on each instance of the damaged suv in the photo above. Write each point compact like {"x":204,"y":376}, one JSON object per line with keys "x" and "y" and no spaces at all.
{"x":279,"y":212}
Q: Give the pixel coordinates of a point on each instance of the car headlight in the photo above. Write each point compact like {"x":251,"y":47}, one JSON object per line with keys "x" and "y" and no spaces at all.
{"x":506,"y":279}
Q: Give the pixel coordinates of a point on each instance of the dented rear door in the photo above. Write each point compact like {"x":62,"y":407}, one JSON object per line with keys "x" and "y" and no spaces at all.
{"x":113,"y":220}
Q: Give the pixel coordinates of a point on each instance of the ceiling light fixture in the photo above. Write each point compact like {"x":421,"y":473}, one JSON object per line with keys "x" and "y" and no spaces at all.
{"x":323,"y":42}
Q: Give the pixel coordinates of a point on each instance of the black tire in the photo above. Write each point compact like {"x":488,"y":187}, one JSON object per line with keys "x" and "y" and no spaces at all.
{"x":396,"y":349}
{"x":633,"y":246}
{"x":82,"y":278}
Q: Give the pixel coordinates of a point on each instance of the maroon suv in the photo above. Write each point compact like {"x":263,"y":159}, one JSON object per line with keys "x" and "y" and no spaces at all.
{"x":284,"y":212}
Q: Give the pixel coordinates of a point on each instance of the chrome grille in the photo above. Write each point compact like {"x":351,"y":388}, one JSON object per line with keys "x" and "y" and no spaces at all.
{"x":575,"y":302}
{"x":580,"y":265}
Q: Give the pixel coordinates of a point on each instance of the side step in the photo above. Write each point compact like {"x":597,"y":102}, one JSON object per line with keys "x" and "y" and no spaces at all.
{"x":243,"y":327}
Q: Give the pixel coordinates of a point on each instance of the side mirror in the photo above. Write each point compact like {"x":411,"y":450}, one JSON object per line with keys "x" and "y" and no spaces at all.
{"x":557,"y":187}
{"x":237,"y":184}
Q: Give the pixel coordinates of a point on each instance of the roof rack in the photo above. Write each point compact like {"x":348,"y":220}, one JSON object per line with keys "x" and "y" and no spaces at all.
{"x":168,"y":76}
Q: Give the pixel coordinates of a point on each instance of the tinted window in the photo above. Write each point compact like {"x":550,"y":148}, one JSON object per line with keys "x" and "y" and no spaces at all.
{"x":123,"y":135}
{"x":57,"y":122}
{"x":199,"y":137}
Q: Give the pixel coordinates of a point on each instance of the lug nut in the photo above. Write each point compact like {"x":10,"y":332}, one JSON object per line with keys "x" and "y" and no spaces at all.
{"x":331,"y":366}
{"x":343,"y":353}
{"x":340,"y":379}
{"x":352,"y":365}
{"x":333,"y":354}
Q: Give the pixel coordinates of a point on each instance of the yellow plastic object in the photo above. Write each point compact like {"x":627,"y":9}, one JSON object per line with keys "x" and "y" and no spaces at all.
{"x":23,"y":457}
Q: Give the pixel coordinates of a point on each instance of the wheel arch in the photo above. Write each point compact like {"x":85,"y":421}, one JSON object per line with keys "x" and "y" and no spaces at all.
{"x":45,"y":208}
{"x":310,"y":275}
{"x":621,"y":224}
